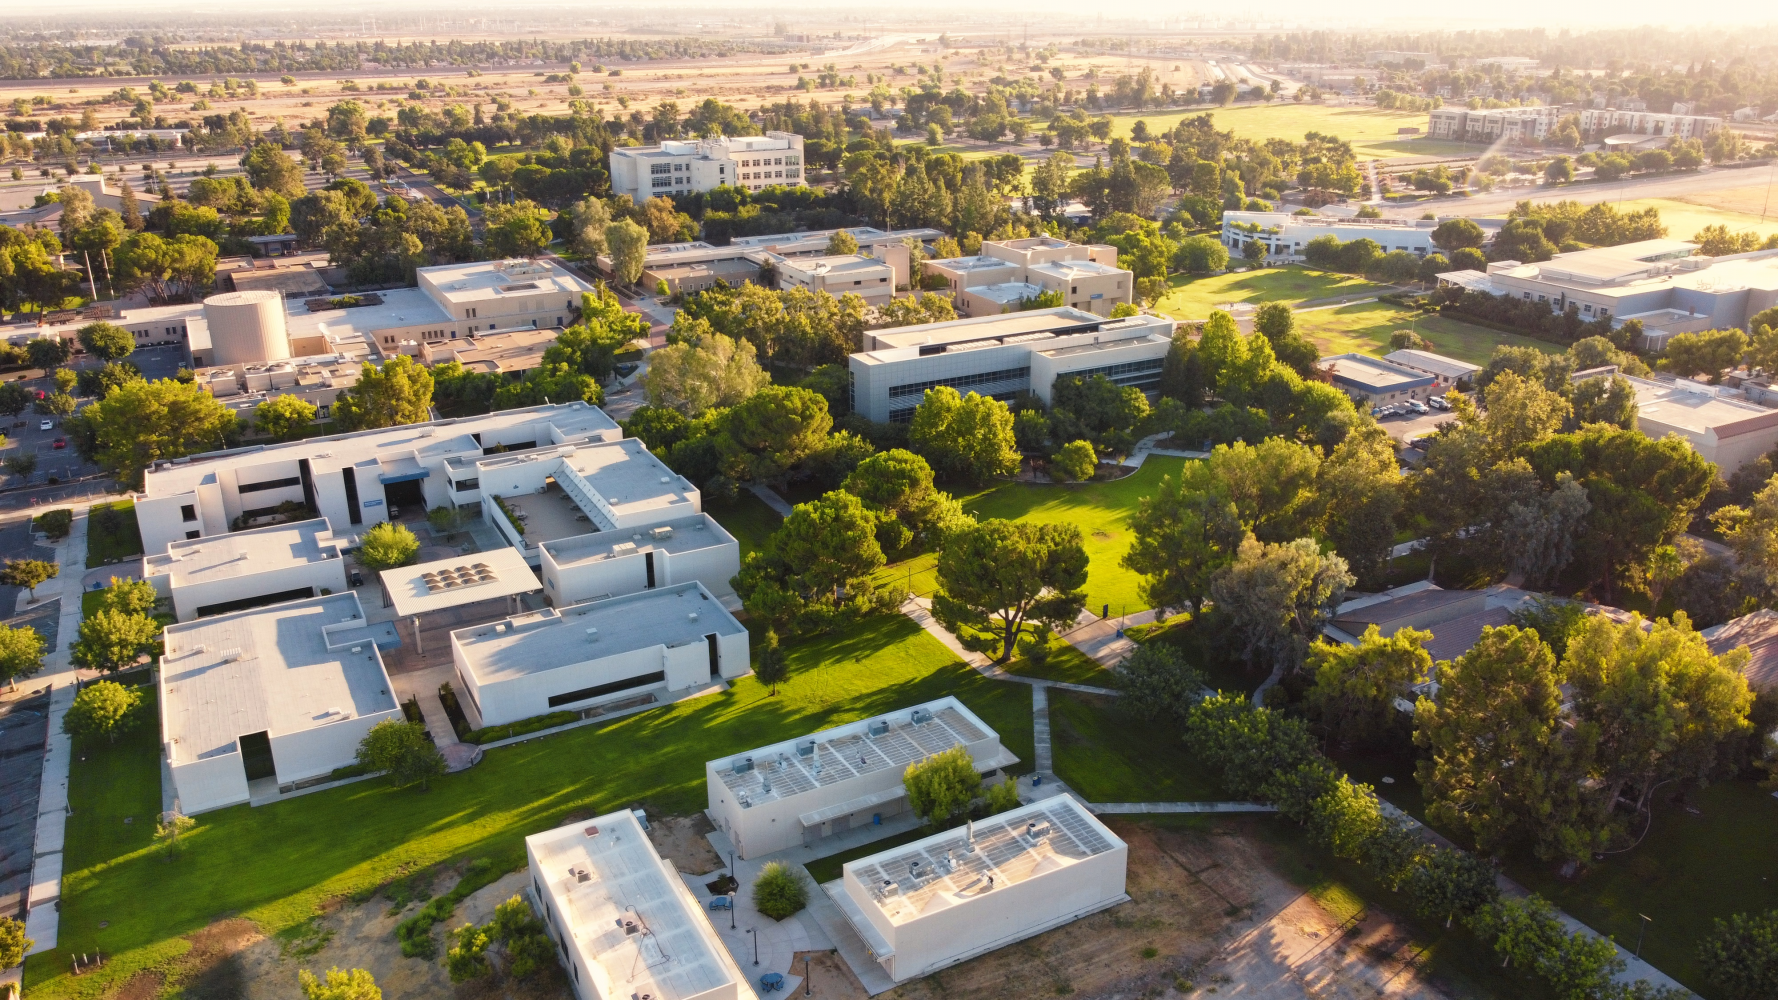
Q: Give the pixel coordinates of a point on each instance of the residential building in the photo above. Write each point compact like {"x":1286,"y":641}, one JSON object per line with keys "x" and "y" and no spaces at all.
{"x":1758,"y":634}
{"x":1447,"y":371}
{"x":1087,"y":276}
{"x":870,"y":279}
{"x":350,"y":478}
{"x":1721,"y":428}
{"x":678,"y":167}
{"x":265,"y":701}
{"x":1375,"y":381}
{"x":623,"y":922}
{"x":628,"y":560}
{"x":670,"y":639}
{"x":544,"y":494}
{"x":1659,"y":283}
{"x":1512,"y":126}
{"x":1284,"y":235}
{"x":1004,"y":355}
{"x":248,"y":569}
{"x":924,"y":906}
{"x":1599,"y":122}
{"x":508,"y":353}
{"x":800,"y":791}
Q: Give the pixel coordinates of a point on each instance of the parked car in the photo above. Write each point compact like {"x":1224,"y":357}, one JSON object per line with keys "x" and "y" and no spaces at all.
{"x":626,"y":369}
{"x":44,"y":425}
{"x":1418,"y":407}
{"x":1439,"y":403}
{"x":61,"y":443}
{"x":356,"y":579}
{"x":394,"y":513}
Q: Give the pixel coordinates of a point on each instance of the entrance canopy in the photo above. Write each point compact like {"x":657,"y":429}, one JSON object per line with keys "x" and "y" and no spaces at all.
{"x":459,"y":580}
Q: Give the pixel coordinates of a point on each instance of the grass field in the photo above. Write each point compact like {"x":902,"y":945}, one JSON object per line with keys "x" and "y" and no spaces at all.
{"x":1065,"y":664}
{"x":276,"y":865}
{"x":1099,"y":509}
{"x":1737,"y":209}
{"x":108,"y":540}
{"x":748,"y":519}
{"x":1370,"y":131}
{"x":1194,"y":298}
{"x":1364,"y":328}
{"x":1107,"y":756}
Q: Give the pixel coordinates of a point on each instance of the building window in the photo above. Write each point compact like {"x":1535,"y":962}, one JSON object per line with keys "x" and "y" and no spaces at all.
{"x":188,"y":512}
{"x":660,"y":168}
{"x":194,"y":533}
{"x":270,"y":484}
{"x":961,"y":381}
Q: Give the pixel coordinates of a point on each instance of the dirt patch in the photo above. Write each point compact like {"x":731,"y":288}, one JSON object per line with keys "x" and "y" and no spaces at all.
{"x":829,"y":976}
{"x":685,"y":841}
{"x":141,"y":986}
{"x":211,"y":970}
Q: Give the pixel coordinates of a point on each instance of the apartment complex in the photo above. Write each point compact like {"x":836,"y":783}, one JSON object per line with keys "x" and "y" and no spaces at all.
{"x":350,"y":479}
{"x":682,"y":166}
{"x":1008,"y":272}
{"x":1659,"y":283}
{"x":1513,"y":126}
{"x":800,"y":791}
{"x":1284,"y":235}
{"x":1600,"y":122}
{"x":1004,"y":355}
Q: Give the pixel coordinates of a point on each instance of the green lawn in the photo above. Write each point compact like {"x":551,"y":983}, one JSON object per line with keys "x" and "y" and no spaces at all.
{"x":1370,"y":131}
{"x":1107,"y":756}
{"x":747,"y":518}
{"x":1100,"y":509}
{"x":112,"y":540}
{"x":1194,"y":298}
{"x":1365,"y":328}
{"x":1065,"y":664}
{"x":276,"y":865}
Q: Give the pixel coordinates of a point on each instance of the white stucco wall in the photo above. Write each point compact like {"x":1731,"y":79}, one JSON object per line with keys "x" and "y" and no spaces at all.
{"x":522,"y":697}
{"x":211,"y":783}
{"x":318,"y":751}
{"x":187,"y":599}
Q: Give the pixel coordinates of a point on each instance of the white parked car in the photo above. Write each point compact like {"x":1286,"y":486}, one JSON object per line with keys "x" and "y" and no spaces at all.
{"x":44,"y":425}
{"x":1417,"y":406}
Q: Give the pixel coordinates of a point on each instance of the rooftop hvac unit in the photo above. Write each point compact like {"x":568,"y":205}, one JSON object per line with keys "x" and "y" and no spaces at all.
{"x":592,"y":634}
{"x":921,"y":715}
{"x":805,"y":748}
{"x":581,"y":874}
{"x":743,"y":765}
{"x":662,"y":531}
{"x":879,"y":728}
{"x":693,"y":616}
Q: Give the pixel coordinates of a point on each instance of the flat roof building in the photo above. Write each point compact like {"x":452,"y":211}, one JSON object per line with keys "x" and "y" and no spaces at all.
{"x":627,"y":560}
{"x":1285,"y":236}
{"x":1003,"y":355}
{"x":1374,"y":380}
{"x":1597,"y":123}
{"x":924,"y":906}
{"x":1448,"y":371}
{"x":1087,"y":276}
{"x":679,"y":167}
{"x":509,"y":353}
{"x":1659,"y":283}
{"x":264,"y":701}
{"x":624,"y":923}
{"x":1722,"y":429}
{"x":871,"y":279}
{"x":318,"y":381}
{"x":669,"y":639}
{"x":1513,"y":126}
{"x":350,"y":478}
{"x":248,"y":569}
{"x":799,"y":791}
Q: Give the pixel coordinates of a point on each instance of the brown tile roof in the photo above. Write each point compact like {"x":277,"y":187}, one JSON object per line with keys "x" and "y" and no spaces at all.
{"x":1759,"y":633}
{"x":1398,"y":608}
{"x":1454,"y":638}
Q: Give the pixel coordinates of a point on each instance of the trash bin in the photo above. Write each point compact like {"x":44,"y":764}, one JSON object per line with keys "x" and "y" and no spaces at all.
{"x":876,"y":819}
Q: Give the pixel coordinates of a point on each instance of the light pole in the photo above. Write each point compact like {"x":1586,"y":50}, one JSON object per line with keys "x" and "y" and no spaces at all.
{"x":731,"y":910}
{"x":1641,"y":932}
{"x":806,"y":976}
{"x":755,"y":934}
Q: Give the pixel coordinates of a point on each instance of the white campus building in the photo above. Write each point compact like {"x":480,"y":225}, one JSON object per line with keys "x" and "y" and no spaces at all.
{"x":265,"y":701}
{"x":669,"y":639}
{"x":627,"y":560}
{"x":1659,"y":283}
{"x":351,"y":479}
{"x":1004,"y":355}
{"x":247,"y":569}
{"x":1284,"y":235}
{"x":1596,"y":122}
{"x":677,"y":167}
{"x":625,"y":925}
{"x":795,"y":793}
{"x":1009,"y":272}
{"x":931,"y":904}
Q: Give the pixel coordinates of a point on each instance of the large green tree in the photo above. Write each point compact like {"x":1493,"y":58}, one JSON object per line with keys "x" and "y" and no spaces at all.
{"x":21,"y":653}
{"x":1277,"y":597}
{"x":400,"y":392}
{"x":141,"y":423}
{"x":715,"y":371}
{"x":820,"y":559}
{"x":1356,"y":687}
{"x":964,"y":437}
{"x":1740,"y":956}
{"x":285,"y":417}
{"x":897,"y":485}
{"x":775,"y":429}
{"x":402,"y":751}
{"x":1500,"y":759}
{"x":996,"y":576}
{"x":105,"y":708}
{"x":106,"y":341}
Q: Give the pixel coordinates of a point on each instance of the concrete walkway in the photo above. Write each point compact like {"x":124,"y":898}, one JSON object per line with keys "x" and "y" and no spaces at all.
{"x":771,"y":498}
{"x":920,"y":610}
{"x":1147,"y":447}
{"x":1103,"y":640}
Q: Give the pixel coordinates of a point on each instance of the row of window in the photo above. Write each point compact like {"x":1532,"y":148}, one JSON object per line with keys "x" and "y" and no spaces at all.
{"x":773,"y":161}
{"x":960,"y":382}
{"x":270,"y":484}
{"x":906,"y":413}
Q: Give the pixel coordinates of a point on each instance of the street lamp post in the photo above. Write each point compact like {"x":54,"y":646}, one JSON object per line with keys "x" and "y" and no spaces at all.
{"x":755,"y":933}
{"x":806,"y":976}
{"x":731,"y":910}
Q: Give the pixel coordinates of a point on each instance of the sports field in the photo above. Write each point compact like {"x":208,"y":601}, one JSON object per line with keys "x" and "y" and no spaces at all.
{"x":1737,"y":208}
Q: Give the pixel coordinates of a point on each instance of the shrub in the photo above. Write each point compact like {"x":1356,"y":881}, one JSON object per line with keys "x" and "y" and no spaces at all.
{"x":780,"y":890}
{"x":55,"y":523}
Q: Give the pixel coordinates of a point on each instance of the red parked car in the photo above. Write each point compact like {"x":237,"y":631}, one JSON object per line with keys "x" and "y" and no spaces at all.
{"x":61,"y":443}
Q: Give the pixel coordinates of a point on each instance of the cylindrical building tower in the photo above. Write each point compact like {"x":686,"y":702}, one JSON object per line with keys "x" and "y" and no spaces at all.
{"x":247,"y":327}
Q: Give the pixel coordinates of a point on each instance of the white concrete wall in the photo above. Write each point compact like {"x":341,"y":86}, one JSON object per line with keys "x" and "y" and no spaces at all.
{"x":211,"y":783}
{"x":162,"y":522}
{"x":187,"y":599}
{"x":713,"y":566}
{"x":318,"y":751}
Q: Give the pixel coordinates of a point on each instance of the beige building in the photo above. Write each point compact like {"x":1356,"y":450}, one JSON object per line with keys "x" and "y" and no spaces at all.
{"x":1087,"y":276}
{"x":1516,"y":126}
{"x":695,"y":267}
{"x":1725,"y":430}
{"x":867,"y":277}
{"x":680,"y":167}
{"x":509,"y":352}
{"x":1596,"y":122}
